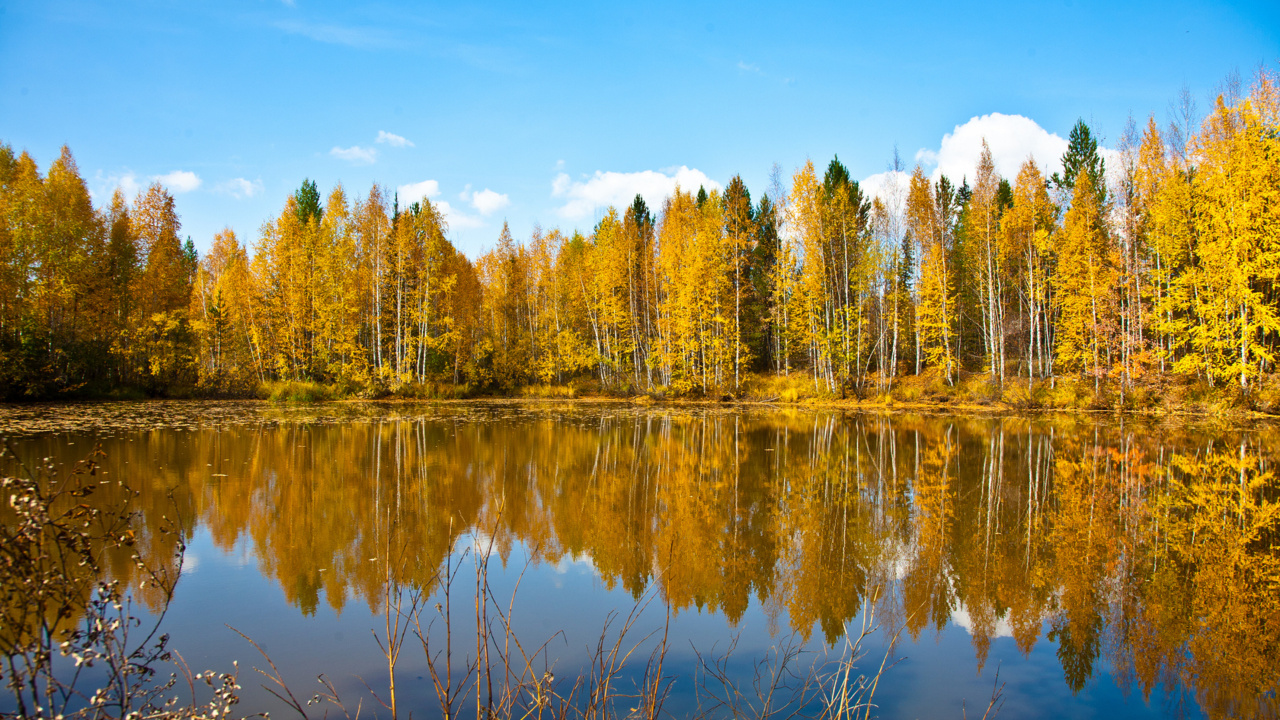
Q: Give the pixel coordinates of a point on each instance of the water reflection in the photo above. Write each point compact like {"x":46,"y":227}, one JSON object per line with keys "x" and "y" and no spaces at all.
{"x":1152,"y":551}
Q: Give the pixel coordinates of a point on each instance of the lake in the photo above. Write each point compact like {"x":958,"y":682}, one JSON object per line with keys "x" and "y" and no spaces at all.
{"x":1081,"y":566}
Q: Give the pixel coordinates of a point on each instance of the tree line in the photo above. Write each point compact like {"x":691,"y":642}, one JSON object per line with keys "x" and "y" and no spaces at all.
{"x":1164,"y":264}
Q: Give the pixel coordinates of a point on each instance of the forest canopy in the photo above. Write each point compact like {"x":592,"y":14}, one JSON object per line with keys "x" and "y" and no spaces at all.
{"x":1162,"y":264}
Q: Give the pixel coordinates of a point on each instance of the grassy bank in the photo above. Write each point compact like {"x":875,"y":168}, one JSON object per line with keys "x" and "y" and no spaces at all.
{"x":1162,"y":395}
{"x":1168,"y":395}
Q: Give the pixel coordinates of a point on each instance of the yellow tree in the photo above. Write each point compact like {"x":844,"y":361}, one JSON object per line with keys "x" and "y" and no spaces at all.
{"x":640,"y":228}
{"x":405,"y":256}
{"x":282,"y":262}
{"x":935,"y":302}
{"x":543,"y":303}
{"x":556,"y":315}
{"x":222,"y":319}
{"x":717,"y":342}
{"x":159,"y":346}
{"x":612,"y":280}
{"x":24,"y":227}
{"x":572,"y":314}
{"x":1238,"y":227}
{"x":372,"y":230}
{"x":695,"y":329}
{"x":70,"y":266}
{"x":813,"y":318}
{"x":54,"y":319}
{"x":1169,"y":220}
{"x":1083,"y":281}
{"x":9,"y":262}
{"x":740,"y":229}
{"x":849,"y":259}
{"x":677,"y":300}
{"x":503,"y":274}
{"x":339,"y":288}
{"x":1134,"y":250}
{"x":982,"y":220}
{"x":121,"y":264}
{"x":788,"y":304}
{"x":463,"y":341}
{"x":1026,"y":230}
{"x":433,"y":283}
{"x":163,"y":284}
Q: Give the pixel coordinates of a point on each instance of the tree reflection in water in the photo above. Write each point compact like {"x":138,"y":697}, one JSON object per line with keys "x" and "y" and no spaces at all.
{"x":1152,"y":549}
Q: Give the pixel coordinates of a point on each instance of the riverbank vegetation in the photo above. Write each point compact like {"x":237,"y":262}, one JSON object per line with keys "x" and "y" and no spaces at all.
{"x":1146,"y":280}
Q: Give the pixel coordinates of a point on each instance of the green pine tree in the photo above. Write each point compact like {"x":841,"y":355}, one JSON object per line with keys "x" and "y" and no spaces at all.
{"x":308,"y":202}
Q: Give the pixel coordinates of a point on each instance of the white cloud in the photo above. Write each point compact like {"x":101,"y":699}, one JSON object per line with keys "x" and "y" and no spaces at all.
{"x":748,"y":67}
{"x":456,"y":219}
{"x":884,"y":185}
{"x":560,"y":185}
{"x":105,"y":185}
{"x":1002,"y":628}
{"x":357,"y":37}
{"x":239,"y":188}
{"x":179,"y":181}
{"x":393,"y":140}
{"x":619,"y":189}
{"x":488,"y":202}
{"x":413,"y":192}
{"x":1012,"y":139}
{"x":355,"y":154}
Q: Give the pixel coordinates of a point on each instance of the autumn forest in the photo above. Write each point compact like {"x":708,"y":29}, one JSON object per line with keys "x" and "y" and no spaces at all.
{"x":1160,"y":262}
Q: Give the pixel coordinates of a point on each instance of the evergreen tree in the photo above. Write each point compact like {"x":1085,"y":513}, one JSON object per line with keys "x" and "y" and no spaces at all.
{"x":1004,"y":195}
{"x":308,"y":202}
{"x":761,"y":336}
{"x":1081,"y":156}
{"x":739,"y":234}
{"x":640,"y":213}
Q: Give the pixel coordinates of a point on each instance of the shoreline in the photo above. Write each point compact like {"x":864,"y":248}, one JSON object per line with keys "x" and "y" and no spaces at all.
{"x":993,"y":408}
{"x":1167,"y":397}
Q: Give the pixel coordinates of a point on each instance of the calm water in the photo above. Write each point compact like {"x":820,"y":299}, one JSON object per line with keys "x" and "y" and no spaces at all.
{"x":1102,"y":568}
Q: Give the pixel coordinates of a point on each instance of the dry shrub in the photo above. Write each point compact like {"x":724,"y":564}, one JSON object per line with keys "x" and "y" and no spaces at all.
{"x":547,"y":392}
{"x":979,"y":389}
{"x":1266,"y":397}
{"x":767,"y":387}
{"x":1020,"y":394}
{"x":63,"y":615}
{"x":296,"y":391}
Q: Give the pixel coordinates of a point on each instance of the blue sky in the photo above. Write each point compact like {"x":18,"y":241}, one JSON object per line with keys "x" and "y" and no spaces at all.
{"x":544,"y":116}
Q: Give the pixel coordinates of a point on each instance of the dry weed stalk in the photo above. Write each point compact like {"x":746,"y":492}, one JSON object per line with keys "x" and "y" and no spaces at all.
{"x":996,"y":702}
{"x":502,"y":677}
{"x":783,"y":686}
{"x":848,"y":693}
